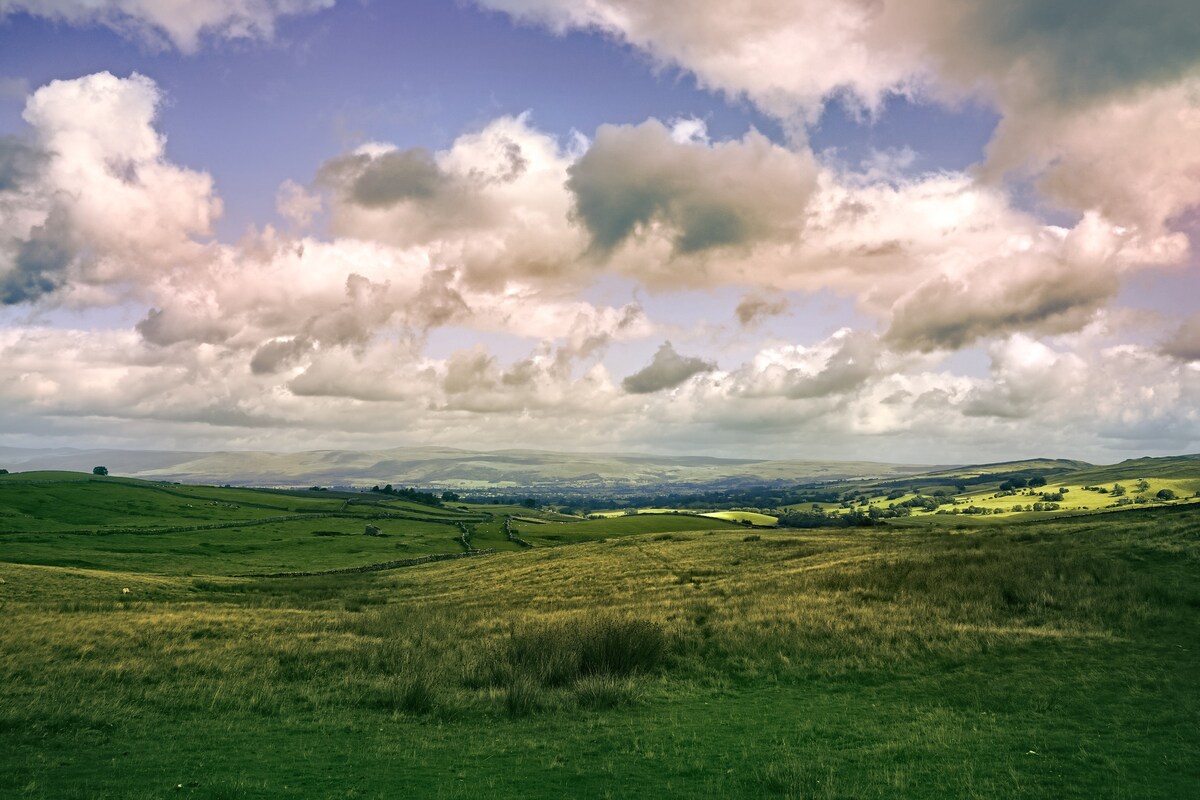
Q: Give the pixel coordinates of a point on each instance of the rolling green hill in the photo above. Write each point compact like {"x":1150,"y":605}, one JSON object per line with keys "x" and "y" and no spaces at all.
{"x":113,"y":523}
{"x":1054,"y":658}
{"x":1176,"y":467}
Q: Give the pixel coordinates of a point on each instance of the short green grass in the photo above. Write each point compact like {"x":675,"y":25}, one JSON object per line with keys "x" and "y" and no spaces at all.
{"x":1054,"y":658}
{"x":294,"y":546}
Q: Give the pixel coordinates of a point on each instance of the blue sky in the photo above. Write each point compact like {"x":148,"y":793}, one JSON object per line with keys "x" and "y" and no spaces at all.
{"x":421,"y":73}
{"x":918,"y":234}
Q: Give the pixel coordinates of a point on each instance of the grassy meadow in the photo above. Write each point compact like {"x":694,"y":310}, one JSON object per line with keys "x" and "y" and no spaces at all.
{"x":663,"y":655}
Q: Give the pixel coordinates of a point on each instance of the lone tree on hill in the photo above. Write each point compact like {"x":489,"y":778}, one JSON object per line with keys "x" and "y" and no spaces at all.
{"x":99,"y":470}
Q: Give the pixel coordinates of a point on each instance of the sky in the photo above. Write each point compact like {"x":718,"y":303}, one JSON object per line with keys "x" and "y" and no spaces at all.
{"x":921,"y":231}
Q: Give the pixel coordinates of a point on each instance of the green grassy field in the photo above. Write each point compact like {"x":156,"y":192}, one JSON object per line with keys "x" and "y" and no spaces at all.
{"x":1052,"y":658}
{"x":551,"y":533}
{"x":1078,"y":489}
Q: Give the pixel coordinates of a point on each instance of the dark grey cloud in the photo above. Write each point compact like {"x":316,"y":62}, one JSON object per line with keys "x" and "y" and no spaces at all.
{"x":352,"y":380}
{"x":20,"y":162}
{"x":1184,"y":342}
{"x":387,"y":179}
{"x":384,"y":180}
{"x":175,"y":324}
{"x":840,"y":365}
{"x":854,"y":363}
{"x":1042,"y":298}
{"x":666,"y":370}
{"x":1083,"y":49}
{"x":754,"y":308}
{"x":40,"y":262}
{"x":730,"y":194}
{"x":275,"y":355}
{"x":438,"y":303}
{"x":36,"y":264}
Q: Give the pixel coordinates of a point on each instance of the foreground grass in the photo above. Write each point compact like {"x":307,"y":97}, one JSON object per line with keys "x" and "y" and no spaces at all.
{"x":1052,"y":659}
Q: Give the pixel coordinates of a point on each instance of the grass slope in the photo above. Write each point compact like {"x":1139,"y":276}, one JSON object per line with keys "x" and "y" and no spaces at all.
{"x":591,"y":530}
{"x":1177,"y":467}
{"x":1048,"y":659}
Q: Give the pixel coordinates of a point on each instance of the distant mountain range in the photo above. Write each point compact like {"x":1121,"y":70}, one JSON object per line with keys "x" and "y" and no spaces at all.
{"x":449,"y":468}
{"x":442,"y":468}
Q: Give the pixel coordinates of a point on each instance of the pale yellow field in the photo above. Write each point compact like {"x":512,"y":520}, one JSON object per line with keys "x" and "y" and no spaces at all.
{"x":752,"y":517}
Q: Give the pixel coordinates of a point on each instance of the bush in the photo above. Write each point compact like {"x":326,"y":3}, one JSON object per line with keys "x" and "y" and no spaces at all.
{"x":620,"y":646}
{"x":522,"y":696}
{"x":415,"y":692}
{"x":603,"y":691}
{"x":559,"y":653}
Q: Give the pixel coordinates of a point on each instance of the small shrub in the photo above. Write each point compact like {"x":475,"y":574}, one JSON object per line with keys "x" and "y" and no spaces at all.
{"x":417,"y":693}
{"x":414,"y":692}
{"x":547,"y":654}
{"x":522,"y":696}
{"x":620,"y":646}
{"x":754,"y":537}
{"x":555,"y":654}
{"x":600,"y":692}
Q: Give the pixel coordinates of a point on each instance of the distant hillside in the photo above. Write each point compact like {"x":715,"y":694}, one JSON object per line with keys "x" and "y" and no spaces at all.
{"x":1032,"y":466}
{"x":1176,"y":467}
{"x":515,"y":470}
{"x":442,"y":467}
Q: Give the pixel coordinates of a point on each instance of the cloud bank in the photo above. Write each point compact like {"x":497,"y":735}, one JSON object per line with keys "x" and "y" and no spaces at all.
{"x":452,"y":296}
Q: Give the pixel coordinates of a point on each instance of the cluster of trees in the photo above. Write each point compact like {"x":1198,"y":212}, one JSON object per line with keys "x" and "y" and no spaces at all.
{"x":929,"y":502}
{"x":817,"y":519}
{"x":412,"y":495}
{"x":1018,"y":482}
{"x":1142,"y":486}
{"x":1117,"y":489}
{"x":525,"y":502}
